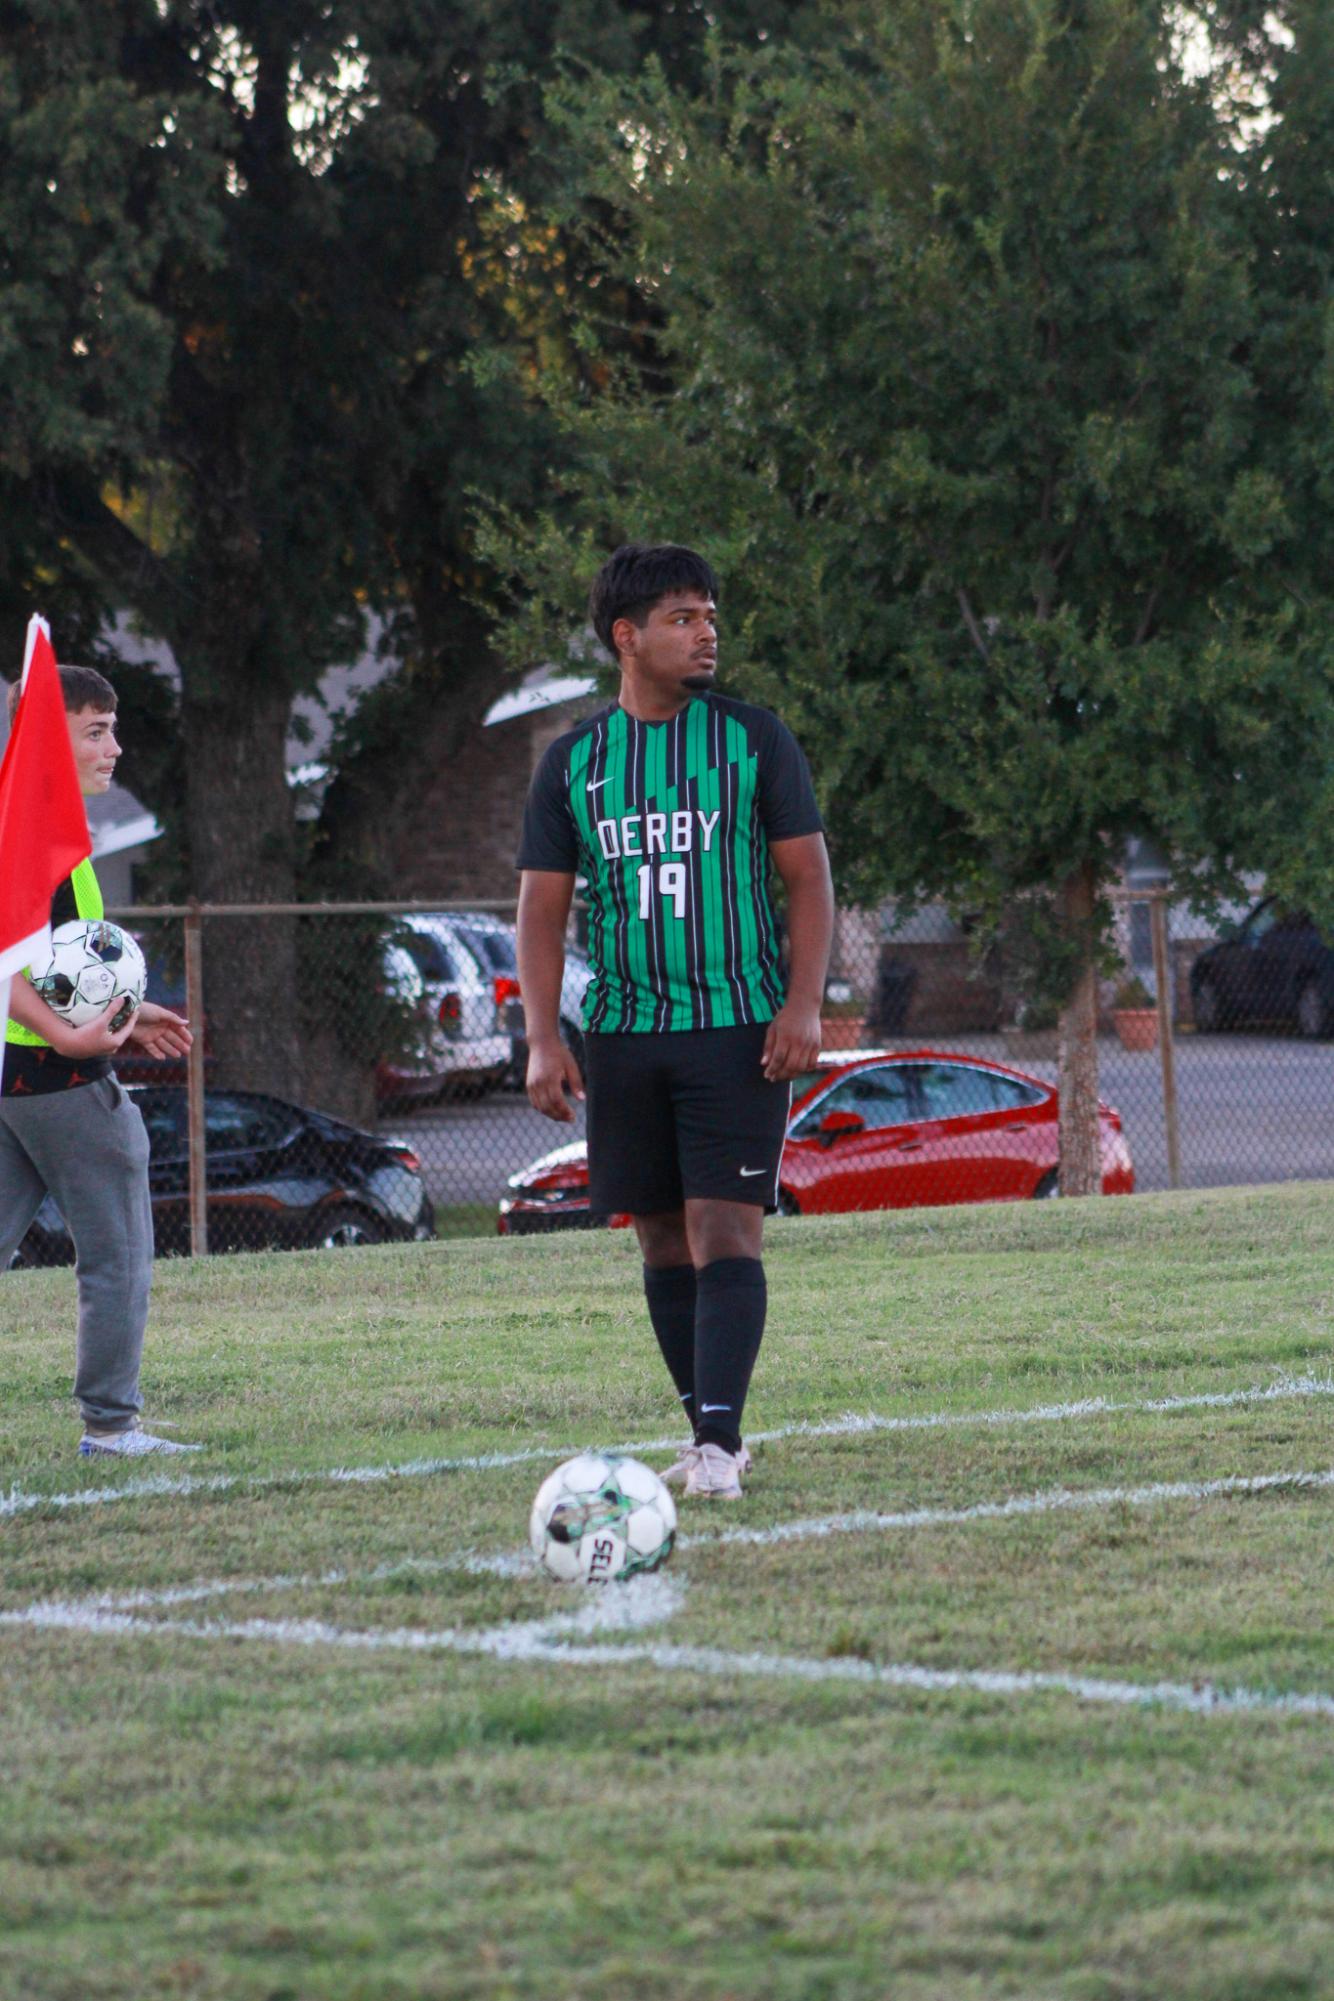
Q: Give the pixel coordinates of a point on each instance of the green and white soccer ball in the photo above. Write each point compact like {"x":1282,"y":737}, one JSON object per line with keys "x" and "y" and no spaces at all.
{"x":92,"y":963}
{"x":601,"y":1516}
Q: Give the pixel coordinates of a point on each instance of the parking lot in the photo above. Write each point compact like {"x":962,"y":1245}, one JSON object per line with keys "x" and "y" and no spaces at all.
{"x":1251,"y":1108}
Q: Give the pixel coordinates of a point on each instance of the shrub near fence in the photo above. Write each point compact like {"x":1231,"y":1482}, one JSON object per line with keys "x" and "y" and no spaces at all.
{"x":406,"y":1025}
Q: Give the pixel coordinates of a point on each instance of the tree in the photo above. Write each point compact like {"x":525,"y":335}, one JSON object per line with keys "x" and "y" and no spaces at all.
{"x":962,"y":319}
{"x":242,"y":287}
{"x":1283,"y":80}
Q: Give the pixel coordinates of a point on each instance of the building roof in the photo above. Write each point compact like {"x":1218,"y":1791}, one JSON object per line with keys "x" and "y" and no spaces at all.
{"x":542,"y":688}
{"x":117,"y":820}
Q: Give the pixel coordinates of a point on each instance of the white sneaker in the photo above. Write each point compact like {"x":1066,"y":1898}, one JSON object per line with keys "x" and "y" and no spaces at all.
{"x":131,"y":1444}
{"x":682,"y":1466}
{"x":716,"y":1474}
{"x":688,"y":1458}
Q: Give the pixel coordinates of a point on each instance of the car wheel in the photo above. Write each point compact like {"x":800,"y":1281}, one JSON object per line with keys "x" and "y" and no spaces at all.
{"x":1312,"y":1013}
{"x":1209,"y":1011}
{"x":787,"y":1203}
{"x":340,"y":1229}
{"x":1048,"y":1187}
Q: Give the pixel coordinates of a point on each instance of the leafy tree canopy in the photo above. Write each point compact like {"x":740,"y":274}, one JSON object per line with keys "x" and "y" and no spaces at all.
{"x":1000,"y":401}
{"x":248,"y":254}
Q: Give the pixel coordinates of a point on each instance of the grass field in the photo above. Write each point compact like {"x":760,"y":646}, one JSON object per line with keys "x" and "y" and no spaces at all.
{"x":277,"y":1736}
{"x":466,"y":1219}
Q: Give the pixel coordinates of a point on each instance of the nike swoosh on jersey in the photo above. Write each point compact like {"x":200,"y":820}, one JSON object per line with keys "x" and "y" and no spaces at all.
{"x":746,"y":1173}
{"x":596,"y":784}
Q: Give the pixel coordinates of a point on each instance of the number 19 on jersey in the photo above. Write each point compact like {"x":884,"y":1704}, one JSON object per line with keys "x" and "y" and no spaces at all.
{"x":671,"y":884}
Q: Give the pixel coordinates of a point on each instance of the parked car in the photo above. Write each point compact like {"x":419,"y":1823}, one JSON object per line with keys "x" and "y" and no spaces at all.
{"x":279,"y":1177}
{"x":876,"y":1130}
{"x":1275,"y":968}
{"x":495,"y":940}
{"x":456,"y":1039}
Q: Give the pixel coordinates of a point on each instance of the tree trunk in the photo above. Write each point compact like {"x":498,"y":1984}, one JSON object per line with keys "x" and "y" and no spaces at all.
{"x":241,"y":833}
{"x":339,"y":1081}
{"x":1081,"y":1162}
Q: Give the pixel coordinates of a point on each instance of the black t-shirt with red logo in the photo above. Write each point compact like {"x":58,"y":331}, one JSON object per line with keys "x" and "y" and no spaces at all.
{"x":34,"y":1070}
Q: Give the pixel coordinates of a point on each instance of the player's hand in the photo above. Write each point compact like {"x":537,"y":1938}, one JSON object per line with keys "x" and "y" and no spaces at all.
{"x":95,"y":1038}
{"x":157,"y":1032}
{"x":552,"y":1071}
{"x":792,"y":1043}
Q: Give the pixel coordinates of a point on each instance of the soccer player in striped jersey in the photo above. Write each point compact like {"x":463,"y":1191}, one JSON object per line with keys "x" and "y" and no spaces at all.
{"x":675,"y":804}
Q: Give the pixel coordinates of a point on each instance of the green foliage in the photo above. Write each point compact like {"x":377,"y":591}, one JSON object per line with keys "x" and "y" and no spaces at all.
{"x":270,"y":296}
{"x":971,"y":336}
{"x":1132,"y":994}
{"x":272,"y":289}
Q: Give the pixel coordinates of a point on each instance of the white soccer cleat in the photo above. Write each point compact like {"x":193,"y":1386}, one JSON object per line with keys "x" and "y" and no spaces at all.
{"x":688,"y":1458}
{"x":131,"y":1444}
{"x":682,"y":1466}
{"x":716,"y":1474}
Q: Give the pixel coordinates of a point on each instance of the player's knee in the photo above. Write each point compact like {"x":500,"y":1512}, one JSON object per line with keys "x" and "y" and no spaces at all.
{"x":662,"y":1238}
{"x":724,"y":1230}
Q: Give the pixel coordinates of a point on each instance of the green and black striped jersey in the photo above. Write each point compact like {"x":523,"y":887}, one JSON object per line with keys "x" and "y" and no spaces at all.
{"x":670,"y":825}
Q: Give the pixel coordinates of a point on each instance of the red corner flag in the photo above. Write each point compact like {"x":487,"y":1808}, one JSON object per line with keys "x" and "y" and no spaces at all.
{"x":43,"y":825}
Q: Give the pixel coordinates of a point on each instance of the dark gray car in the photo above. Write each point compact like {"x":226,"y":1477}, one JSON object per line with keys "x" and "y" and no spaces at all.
{"x":1275,"y":969}
{"x":279,"y":1177}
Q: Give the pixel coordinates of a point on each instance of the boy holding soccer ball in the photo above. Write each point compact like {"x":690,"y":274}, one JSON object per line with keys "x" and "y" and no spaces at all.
{"x":672,"y":803}
{"x":67,"y":1129}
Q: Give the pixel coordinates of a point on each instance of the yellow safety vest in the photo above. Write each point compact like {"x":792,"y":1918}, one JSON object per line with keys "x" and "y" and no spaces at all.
{"x":88,"y":903}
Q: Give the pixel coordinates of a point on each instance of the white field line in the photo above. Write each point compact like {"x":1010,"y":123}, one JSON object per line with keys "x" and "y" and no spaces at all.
{"x":640,"y":1602}
{"x":19,"y":1501}
{"x":860,"y":1521}
{"x":518,"y":1563}
{"x":648,"y":1601}
{"x":1053,"y":1500}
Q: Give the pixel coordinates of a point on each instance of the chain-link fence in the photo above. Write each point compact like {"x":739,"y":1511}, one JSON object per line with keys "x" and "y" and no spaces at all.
{"x":358,"y":1074}
{"x":1212,"y":1050}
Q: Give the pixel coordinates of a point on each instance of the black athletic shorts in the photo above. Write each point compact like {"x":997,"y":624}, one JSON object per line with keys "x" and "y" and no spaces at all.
{"x":682,"y":1114}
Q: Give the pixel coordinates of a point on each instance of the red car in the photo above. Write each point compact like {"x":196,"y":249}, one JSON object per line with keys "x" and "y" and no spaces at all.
{"x":876,"y":1130}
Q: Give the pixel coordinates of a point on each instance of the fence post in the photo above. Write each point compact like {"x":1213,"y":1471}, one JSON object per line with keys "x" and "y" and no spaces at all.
{"x":194,"y":1008}
{"x":1166,"y":1048}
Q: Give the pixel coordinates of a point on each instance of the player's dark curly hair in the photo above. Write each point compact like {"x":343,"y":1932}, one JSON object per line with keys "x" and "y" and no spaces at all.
{"x":636,"y":575}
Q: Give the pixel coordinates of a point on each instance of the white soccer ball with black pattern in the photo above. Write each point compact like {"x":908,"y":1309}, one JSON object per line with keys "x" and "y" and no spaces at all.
{"x":92,"y":963}
{"x":601,"y":1516}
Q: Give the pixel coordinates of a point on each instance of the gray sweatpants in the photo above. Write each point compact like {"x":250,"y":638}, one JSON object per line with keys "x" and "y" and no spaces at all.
{"x":88,"y":1149}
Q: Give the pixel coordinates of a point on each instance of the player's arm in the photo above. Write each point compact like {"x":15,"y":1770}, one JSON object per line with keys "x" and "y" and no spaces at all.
{"x":544,"y":910}
{"x":156,"y":1031}
{"x":793,"y":1042}
{"x":95,"y":1038}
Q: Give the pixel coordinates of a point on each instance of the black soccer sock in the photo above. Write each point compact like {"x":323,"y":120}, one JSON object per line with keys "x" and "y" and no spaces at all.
{"x":729,"y":1325}
{"x":670,"y":1292}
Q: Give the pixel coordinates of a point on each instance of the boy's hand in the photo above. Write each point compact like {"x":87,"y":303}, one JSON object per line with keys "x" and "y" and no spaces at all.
{"x":95,"y":1038}
{"x":792,"y":1043}
{"x":552,"y":1071}
{"x":157,"y":1032}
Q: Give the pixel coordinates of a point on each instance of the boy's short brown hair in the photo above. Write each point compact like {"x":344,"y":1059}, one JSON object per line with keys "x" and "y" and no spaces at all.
{"x":82,"y":687}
